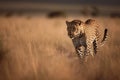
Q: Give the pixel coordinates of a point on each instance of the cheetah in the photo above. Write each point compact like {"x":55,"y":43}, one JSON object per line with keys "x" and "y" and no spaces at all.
{"x":85,"y":36}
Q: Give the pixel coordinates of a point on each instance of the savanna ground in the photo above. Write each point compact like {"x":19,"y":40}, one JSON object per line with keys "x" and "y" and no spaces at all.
{"x":38,"y":48}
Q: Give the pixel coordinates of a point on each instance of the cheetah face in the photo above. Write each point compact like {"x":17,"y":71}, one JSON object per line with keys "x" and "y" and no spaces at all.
{"x":74,"y":28}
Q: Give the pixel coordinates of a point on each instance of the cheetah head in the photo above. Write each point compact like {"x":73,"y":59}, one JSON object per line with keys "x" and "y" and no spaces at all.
{"x":75,"y":28}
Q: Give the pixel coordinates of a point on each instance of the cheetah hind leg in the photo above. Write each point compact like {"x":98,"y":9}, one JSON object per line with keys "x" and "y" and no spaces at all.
{"x":95,"y":47}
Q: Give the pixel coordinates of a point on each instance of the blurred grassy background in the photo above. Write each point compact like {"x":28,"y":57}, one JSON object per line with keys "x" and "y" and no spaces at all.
{"x":35,"y":46}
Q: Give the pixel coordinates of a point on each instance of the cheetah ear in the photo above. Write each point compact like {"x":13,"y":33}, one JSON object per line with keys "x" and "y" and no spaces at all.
{"x":89,"y":21}
{"x":67,"y":22}
{"x":79,"y":23}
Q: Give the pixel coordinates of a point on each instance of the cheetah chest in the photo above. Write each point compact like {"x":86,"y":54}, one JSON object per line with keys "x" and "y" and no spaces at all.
{"x":79,"y":41}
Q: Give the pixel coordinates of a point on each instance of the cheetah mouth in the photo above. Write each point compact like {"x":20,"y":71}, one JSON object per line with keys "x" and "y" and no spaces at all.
{"x":76,"y":36}
{"x":72,"y":37}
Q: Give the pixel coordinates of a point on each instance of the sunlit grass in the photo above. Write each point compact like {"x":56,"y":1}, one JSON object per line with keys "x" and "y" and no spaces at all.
{"x":39,"y":49}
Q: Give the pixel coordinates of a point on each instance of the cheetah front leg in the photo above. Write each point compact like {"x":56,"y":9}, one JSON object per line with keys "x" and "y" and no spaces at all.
{"x":80,"y":51}
{"x":90,"y":49}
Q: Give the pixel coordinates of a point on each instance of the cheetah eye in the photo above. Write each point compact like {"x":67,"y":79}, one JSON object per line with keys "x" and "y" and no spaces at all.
{"x":73,"y":28}
{"x":77,"y":30}
{"x":68,"y":28}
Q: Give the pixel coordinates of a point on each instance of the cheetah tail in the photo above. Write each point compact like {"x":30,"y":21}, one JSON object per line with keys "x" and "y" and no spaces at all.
{"x":105,"y":36}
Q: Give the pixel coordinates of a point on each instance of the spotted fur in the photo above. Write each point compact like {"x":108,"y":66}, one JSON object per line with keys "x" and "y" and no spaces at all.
{"x":85,"y":36}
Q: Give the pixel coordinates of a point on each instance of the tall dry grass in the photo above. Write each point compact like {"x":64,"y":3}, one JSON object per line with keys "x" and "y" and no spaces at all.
{"x":39,"y":49}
